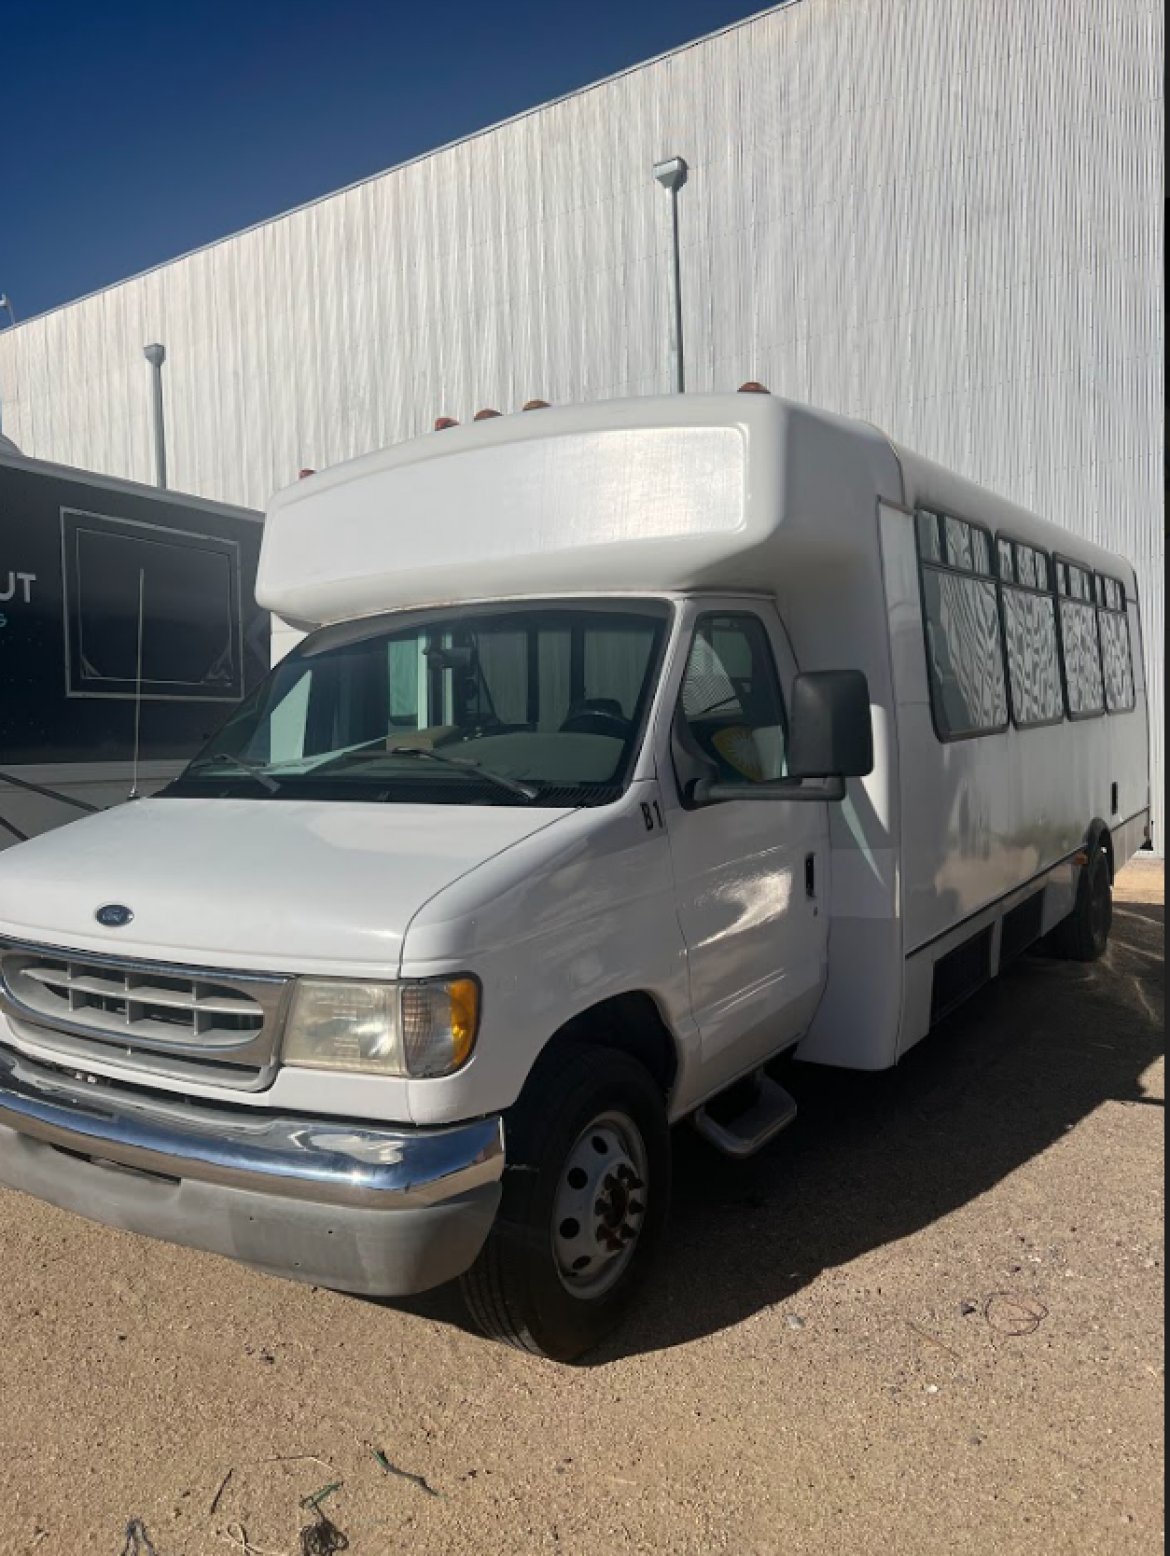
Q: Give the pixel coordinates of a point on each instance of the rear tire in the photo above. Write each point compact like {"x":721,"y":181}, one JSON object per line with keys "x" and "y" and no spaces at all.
{"x":1084,"y":934}
{"x":585,"y":1197}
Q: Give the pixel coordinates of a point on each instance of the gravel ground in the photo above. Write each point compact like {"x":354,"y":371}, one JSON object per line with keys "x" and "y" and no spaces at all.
{"x":927,"y":1320}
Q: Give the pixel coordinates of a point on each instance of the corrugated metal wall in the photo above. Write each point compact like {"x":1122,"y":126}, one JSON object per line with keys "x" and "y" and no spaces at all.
{"x":940,"y":216}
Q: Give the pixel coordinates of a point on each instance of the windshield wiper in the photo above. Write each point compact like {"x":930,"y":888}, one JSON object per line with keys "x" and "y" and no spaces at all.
{"x":462,"y":764}
{"x":244,"y":763}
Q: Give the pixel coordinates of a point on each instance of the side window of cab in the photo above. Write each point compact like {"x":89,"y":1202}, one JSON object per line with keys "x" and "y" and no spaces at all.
{"x":731,"y":706}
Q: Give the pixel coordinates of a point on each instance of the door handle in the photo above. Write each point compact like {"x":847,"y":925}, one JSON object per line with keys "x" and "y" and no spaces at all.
{"x":810,"y":875}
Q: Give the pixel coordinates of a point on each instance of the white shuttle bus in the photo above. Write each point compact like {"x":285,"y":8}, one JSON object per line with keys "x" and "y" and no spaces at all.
{"x":630,"y":747}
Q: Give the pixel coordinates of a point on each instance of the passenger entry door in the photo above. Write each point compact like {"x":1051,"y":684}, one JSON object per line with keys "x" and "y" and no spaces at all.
{"x":751,"y":876}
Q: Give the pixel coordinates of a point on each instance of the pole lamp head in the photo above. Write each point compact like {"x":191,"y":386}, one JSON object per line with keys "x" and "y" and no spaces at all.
{"x":155,"y":354}
{"x":672,"y":173}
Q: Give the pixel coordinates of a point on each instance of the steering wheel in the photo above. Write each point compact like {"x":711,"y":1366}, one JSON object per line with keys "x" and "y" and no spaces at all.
{"x":596,"y":721}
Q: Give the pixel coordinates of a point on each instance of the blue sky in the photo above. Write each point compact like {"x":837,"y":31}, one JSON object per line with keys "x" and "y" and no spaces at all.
{"x":134,"y":131}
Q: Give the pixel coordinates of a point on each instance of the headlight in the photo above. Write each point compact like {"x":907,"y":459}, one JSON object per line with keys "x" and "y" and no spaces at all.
{"x":405,"y":1029}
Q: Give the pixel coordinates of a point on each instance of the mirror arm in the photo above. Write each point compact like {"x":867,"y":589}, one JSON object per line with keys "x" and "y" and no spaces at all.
{"x":707,"y":792}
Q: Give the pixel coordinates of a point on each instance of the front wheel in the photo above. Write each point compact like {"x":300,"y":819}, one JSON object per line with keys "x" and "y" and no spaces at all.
{"x":585,"y":1197}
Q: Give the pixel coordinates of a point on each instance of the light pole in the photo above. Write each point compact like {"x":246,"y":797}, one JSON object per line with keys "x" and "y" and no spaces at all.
{"x":156,"y":355}
{"x":5,"y":303}
{"x":672,"y":175}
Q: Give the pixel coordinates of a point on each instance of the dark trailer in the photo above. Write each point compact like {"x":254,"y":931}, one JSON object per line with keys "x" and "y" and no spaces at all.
{"x":128,"y":624}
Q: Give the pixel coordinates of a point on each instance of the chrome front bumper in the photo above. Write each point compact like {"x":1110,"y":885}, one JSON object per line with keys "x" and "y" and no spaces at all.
{"x":382,"y":1211}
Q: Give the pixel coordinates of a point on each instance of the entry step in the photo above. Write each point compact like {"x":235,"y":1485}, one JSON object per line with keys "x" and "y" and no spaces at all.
{"x":767,"y":1109}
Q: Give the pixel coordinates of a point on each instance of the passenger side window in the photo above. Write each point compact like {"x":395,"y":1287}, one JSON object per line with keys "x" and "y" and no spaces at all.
{"x":964,"y":634}
{"x":1080,"y":644}
{"x":731,"y":702}
{"x":1116,"y":650}
{"x":1029,"y":616}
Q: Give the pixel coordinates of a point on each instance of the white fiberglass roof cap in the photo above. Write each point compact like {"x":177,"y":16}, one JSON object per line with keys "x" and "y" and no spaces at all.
{"x":648,"y":495}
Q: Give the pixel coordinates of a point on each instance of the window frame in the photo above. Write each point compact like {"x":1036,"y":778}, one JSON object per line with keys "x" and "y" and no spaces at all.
{"x":1005,"y":537}
{"x":1062,"y":559}
{"x":1123,"y":612}
{"x":77,"y":524}
{"x":678,"y":713}
{"x":959,"y":572}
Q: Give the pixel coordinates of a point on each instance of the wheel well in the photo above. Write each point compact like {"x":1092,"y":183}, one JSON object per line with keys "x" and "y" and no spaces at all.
{"x":631,"y":1023}
{"x":1099,"y":836}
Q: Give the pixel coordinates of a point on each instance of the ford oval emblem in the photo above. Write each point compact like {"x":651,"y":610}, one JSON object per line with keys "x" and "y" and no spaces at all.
{"x":114,"y":915}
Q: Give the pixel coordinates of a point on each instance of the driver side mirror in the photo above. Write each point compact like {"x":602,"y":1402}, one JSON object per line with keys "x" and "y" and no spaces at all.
{"x":831,"y":734}
{"x":830,"y":737}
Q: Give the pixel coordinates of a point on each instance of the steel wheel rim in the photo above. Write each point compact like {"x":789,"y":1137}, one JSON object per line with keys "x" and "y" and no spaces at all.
{"x":600,"y":1205}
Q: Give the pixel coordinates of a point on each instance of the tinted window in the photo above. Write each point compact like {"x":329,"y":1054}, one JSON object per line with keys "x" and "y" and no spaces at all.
{"x":1079,"y":642}
{"x":181,"y":591}
{"x":1029,"y":615}
{"x":964,"y":636}
{"x":1116,"y":648}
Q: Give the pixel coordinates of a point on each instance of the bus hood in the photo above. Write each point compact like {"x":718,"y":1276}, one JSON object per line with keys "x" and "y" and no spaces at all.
{"x":252,"y":885}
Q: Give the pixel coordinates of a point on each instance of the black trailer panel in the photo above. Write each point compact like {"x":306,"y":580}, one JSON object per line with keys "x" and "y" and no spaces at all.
{"x":110,"y":592}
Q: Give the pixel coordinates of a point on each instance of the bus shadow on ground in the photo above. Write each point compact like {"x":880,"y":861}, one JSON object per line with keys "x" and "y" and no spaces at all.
{"x":874,"y":1158}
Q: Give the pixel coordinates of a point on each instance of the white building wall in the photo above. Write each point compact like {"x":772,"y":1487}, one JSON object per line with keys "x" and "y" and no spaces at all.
{"x":941,"y":216}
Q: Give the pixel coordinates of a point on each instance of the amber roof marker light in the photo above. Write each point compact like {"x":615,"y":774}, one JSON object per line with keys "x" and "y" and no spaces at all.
{"x":535,"y":405}
{"x":485,"y":415}
{"x":443,"y":422}
{"x":752,"y":387}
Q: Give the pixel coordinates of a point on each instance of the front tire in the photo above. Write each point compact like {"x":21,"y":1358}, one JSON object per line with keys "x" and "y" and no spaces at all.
{"x":1084,"y":934}
{"x":584,"y":1202}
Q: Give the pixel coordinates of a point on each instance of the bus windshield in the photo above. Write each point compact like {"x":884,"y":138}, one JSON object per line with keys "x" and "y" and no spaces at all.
{"x":526,"y":704}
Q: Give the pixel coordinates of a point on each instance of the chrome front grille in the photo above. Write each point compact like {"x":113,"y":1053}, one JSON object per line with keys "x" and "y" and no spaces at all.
{"x":191,"y":1022}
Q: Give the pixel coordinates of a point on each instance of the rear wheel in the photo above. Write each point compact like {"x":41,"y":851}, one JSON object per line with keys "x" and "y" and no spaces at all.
{"x":1084,"y":934}
{"x":585,"y":1198}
